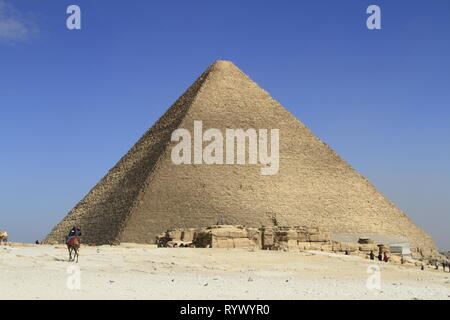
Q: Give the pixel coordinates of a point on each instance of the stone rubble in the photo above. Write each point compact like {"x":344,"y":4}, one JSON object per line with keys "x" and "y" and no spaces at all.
{"x":285,"y":238}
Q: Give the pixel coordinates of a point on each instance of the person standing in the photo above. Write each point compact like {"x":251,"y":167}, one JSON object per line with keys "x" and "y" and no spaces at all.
{"x":385,"y":257}
{"x":372,"y":255}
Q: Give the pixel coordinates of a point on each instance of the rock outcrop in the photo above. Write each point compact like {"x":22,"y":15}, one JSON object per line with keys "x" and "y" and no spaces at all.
{"x":266,"y":238}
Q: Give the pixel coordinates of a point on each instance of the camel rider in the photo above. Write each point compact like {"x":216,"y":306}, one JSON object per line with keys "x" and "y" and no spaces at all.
{"x":74,"y":232}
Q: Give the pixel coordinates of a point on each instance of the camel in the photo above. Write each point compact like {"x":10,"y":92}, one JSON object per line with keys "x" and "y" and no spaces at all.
{"x":3,"y":236}
{"x":73,"y":245}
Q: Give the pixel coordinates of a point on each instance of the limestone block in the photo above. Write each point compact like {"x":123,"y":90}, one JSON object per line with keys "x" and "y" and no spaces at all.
{"x":237,"y":233}
{"x":253,"y":233}
{"x":304,"y":245}
{"x":292,"y":245}
{"x":292,"y":235}
{"x":220,"y":232}
{"x":318,"y":237}
{"x":302,"y":237}
{"x":312,"y":230}
{"x":243,"y":243}
{"x":223,"y":243}
{"x":187,"y":235}
{"x":368,"y":248}
{"x":267,"y":239}
{"x":315,"y":246}
{"x":175,"y":235}
{"x":336,"y":246}
{"x":349,"y":246}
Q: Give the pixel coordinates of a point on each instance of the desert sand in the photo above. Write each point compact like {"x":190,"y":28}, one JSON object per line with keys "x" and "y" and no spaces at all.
{"x":131,"y":271}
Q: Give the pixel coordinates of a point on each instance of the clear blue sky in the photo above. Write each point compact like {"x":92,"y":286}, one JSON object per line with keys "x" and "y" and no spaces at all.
{"x":73,"y":102}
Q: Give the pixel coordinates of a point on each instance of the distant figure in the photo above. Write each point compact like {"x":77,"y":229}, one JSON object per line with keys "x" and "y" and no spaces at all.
{"x":385,"y":257}
{"x":347,"y":253}
{"x":73,"y":242}
{"x":37,"y":242}
{"x":372,"y":255}
{"x":402,"y":260}
{"x":380,"y":257}
{"x":3,"y":236}
{"x":437,"y":265}
{"x":422,"y":267}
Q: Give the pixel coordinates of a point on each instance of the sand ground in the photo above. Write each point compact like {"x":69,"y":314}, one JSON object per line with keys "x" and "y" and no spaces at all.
{"x":145,"y":272}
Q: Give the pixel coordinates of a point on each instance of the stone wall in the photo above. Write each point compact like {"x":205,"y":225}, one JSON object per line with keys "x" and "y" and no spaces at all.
{"x":265,"y":238}
{"x":223,"y":236}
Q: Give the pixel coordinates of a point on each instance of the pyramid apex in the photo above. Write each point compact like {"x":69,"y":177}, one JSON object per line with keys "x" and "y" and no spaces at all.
{"x":223,"y":65}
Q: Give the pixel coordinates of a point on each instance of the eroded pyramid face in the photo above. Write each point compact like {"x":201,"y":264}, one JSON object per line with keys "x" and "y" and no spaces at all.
{"x":151,"y":190}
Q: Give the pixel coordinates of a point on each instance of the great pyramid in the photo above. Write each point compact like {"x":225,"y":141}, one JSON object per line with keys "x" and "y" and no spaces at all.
{"x":145,"y":193}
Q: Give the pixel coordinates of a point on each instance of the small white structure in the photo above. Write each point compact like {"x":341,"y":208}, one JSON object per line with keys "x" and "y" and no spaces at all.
{"x":400,"y":248}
